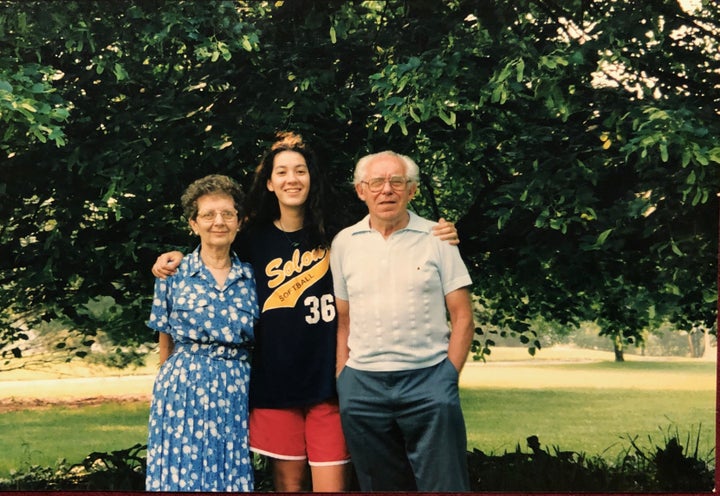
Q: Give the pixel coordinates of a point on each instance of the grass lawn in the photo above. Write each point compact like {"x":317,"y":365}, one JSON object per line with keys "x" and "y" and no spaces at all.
{"x":43,"y":436}
{"x":588,"y":403}
{"x":594,"y":422}
{"x":575,"y":402}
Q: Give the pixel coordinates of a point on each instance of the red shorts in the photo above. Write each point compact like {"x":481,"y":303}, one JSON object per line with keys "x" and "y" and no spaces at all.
{"x":313,"y":433}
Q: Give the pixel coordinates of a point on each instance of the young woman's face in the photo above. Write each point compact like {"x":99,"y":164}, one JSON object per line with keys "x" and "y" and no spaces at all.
{"x":290,"y":179}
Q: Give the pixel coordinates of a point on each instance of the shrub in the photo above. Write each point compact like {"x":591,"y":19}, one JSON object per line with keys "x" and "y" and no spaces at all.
{"x":668,"y":469}
{"x":663,"y":469}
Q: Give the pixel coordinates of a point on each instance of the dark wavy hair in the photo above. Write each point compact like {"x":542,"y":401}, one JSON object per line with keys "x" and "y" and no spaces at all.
{"x":262,"y":206}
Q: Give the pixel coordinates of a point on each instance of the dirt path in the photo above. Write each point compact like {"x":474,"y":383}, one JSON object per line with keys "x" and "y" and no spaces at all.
{"x":15,"y":404}
{"x":18,"y":395}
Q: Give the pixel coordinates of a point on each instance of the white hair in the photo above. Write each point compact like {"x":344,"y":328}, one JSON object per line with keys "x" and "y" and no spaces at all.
{"x":412,"y":171}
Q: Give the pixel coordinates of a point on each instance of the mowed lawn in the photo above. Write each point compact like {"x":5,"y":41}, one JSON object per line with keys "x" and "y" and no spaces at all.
{"x":572,"y":400}
{"x":593,"y":408}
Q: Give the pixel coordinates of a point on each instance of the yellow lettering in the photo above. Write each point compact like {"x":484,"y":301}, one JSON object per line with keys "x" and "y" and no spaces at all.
{"x":297,"y":263}
{"x":273,"y":269}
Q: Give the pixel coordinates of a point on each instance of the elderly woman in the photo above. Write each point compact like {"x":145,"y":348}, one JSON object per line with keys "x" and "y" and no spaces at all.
{"x":205,"y":313}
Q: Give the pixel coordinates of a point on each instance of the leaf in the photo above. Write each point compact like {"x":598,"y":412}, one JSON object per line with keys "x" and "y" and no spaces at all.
{"x":246,"y":44}
{"x":714,"y":154}
{"x":413,"y":114}
{"x":403,"y":128}
{"x":520,"y":70}
{"x":28,"y":107}
{"x":119,"y":71}
{"x":663,"y":152}
{"x":603,"y":236}
{"x":676,"y":249}
{"x":448,"y":119}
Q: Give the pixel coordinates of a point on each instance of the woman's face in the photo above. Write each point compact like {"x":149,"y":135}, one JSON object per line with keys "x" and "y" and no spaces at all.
{"x":217,"y":220}
{"x":290,"y":179}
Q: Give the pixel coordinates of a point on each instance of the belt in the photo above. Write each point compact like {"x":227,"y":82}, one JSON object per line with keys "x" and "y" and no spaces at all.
{"x":225,"y":351}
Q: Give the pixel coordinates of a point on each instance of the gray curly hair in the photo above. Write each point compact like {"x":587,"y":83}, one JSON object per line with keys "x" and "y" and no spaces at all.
{"x":214,"y":183}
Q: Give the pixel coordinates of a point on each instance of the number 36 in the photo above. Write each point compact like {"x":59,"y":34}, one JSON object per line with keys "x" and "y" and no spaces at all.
{"x":322,"y":307}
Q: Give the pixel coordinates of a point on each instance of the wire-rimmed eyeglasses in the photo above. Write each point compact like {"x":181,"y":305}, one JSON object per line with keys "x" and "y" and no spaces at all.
{"x":376,"y":184}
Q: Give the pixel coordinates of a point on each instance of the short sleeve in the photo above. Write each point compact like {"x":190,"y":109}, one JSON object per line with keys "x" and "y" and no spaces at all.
{"x":336,"y":251}
{"x":454,"y":272}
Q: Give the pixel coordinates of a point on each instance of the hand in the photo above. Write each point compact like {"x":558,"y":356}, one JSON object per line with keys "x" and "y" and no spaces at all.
{"x":166,"y":264}
{"x":446,"y":231}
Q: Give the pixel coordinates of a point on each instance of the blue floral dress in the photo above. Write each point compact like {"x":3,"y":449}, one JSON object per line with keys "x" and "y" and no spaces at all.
{"x":198,"y":427}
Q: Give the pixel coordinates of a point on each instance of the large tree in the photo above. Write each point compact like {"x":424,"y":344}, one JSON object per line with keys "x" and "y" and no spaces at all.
{"x":573,"y":142}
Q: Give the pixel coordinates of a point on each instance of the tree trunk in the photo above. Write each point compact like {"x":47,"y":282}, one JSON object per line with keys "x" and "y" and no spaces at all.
{"x":691,"y":344}
{"x":708,"y":350}
{"x":618,"y":348}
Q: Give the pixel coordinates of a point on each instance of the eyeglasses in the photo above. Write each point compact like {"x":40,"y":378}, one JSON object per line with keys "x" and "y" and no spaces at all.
{"x":227,"y":215}
{"x":378,"y":183}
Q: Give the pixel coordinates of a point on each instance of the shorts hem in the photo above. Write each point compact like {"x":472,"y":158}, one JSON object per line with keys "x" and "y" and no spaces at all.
{"x":329,"y":464}
{"x":277,"y":455}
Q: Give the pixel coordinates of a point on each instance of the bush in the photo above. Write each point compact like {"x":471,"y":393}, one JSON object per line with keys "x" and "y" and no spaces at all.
{"x":122,"y":470}
{"x":667,"y":469}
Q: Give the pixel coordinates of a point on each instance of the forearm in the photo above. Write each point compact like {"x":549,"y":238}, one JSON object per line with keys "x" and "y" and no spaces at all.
{"x":343,"y":332}
{"x":166,"y":345}
{"x":462,"y":326}
{"x":461,"y":338}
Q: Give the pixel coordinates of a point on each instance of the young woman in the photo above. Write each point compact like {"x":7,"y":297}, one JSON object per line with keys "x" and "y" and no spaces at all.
{"x":294,"y":415}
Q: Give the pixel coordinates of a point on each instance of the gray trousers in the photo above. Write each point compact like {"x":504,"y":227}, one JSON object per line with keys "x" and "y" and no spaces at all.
{"x":405,"y":430}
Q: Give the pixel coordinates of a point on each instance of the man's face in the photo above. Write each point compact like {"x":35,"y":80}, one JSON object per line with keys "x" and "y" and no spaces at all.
{"x":389,"y":203}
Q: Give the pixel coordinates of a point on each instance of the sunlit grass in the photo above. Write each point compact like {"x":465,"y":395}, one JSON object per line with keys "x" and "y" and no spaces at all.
{"x":590,"y":421}
{"x":42,"y":436}
{"x":571,"y":399}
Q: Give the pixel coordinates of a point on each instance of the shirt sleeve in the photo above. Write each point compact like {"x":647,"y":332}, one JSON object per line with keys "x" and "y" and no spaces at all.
{"x":339,"y":285}
{"x":454,"y":272}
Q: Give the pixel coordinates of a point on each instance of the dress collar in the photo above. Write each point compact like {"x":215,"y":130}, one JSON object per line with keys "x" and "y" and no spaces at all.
{"x":237,"y":269}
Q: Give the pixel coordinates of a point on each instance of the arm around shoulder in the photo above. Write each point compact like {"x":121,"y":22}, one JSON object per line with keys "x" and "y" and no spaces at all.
{"x":167,"y":264}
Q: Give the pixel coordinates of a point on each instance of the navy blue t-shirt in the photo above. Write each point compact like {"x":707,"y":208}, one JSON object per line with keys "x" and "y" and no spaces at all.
{"x":293,"y":361}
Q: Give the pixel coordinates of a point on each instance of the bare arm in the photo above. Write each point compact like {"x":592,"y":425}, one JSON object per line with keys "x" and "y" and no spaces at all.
{"x":343,"y":331}
{"x":446,"y":231}
{"x":166,"y":346}
{"x":462,"y":326}
{"x":167,"y":264}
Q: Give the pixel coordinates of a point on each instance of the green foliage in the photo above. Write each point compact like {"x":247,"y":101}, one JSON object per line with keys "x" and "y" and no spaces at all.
{"x":36,"y":437}
{"x":668,"y":469}
{"x":574,"y":144}
{"x":556,"y":470}
{"x":121,"y":470}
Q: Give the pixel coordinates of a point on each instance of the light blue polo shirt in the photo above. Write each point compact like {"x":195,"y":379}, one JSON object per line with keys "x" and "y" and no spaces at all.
{"x":396,"y":288}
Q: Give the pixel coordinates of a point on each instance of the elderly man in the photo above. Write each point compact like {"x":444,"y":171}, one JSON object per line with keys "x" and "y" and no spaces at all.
{"x":398,"y":362}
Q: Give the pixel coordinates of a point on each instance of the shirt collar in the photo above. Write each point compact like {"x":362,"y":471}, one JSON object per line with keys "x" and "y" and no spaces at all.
{"x":415,"y":224}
